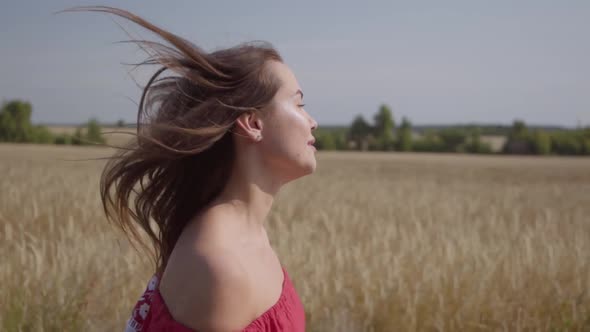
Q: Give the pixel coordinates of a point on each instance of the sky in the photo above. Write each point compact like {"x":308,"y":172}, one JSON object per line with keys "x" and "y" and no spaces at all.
{"x":434,"y":62}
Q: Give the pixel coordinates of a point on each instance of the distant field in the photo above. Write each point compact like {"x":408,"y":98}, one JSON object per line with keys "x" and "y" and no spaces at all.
{"x":373,"y":242}
{"x":113,"y":135}
{"x":496,"y":142}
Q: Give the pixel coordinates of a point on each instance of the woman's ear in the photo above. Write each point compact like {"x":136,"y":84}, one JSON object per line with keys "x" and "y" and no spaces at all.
{"x":249,"y":125}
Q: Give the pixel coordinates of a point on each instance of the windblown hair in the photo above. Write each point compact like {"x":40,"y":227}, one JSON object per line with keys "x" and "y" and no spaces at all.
{"x":184,"y":148}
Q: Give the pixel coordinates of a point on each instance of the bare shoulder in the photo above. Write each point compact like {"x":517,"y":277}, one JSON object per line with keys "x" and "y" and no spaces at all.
{"x":207,"y":290}
{"x":209,"y":294}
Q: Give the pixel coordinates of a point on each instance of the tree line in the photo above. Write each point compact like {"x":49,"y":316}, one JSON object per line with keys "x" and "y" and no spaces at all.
{"x":16,"y":126}
{"x":383,"y":134}
{"x":522,"y":140}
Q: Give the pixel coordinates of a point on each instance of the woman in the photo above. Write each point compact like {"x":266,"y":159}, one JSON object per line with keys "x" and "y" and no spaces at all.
{"x":215,"y":144}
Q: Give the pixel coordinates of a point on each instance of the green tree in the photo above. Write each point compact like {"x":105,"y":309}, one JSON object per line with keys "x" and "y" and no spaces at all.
{"x":567,"y":143}
{"x":93,"y":132}
{"x":475,"y":144}
{"x":586,"y":146}
{"x":78,"y":137}
{"x":359,"y":130}
{"x":429,"y":142}
{"x":63,"y":139}
{"x":518,"y":130}
{"x":15,"y":124}
{"x":519,"y":140}
{"x":453,"y":140}
{"x":325,"y":141}
{"x":340,"y":141}
{"x":384,"y":125}
{"x":7,"y":126}
{"x":15,"y":121}
{"x":541,"y":142}
{"x":404,"y":136}
{"x":41,"y":134}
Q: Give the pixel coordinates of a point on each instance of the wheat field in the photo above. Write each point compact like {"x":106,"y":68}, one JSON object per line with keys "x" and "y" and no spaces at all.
{"x":372,"y":241}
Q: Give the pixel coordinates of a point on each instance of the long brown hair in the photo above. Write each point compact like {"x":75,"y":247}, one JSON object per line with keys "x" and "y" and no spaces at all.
{"x":184,"y":149}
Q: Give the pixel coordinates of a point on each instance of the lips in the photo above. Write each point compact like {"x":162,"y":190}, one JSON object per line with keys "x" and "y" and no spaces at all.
{"x":311,"y":142}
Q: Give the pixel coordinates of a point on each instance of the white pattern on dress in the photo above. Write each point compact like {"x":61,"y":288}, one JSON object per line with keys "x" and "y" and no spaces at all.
{"x":142,"y":307}
{"x":143,"y":310}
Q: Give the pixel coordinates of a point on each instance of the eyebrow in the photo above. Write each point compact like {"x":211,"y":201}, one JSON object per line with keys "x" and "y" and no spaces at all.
{"x":299,"y":92}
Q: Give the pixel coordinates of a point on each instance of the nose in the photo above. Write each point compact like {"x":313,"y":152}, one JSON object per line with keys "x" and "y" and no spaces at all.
{"x":314,"y":124}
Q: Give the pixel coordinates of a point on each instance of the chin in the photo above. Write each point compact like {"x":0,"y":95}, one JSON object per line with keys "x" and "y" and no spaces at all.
{"x":304,"y":170}
{"x":310,"y":167}
{"x":298,"y":168}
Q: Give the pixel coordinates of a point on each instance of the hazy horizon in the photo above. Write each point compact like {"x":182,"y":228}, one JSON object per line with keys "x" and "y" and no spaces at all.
{"x":437,"y":64}
{"x":324,"y":125}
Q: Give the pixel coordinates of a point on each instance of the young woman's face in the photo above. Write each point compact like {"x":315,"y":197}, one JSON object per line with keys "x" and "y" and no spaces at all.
{"x":287,"y":129}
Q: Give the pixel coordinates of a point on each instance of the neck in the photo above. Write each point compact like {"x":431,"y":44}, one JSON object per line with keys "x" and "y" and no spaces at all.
{"x":250,"y":190}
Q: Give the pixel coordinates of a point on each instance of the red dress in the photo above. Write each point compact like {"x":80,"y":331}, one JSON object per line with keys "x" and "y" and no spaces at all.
{"x":151,"y":314}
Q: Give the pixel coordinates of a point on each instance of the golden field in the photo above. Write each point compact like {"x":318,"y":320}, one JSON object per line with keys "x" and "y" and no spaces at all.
{"x":372,"y":241}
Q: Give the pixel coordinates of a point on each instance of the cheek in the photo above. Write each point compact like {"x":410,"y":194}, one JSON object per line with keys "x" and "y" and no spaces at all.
{"x":287,"y":132}
{"x":282,"y":140}
{"x":289,"y":119}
